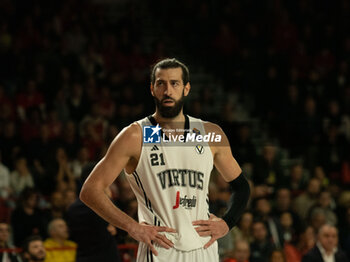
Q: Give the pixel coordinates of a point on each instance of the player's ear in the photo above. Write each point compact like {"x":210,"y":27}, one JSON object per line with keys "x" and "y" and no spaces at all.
{"x":187,"y":88}
{"x":151,"y":88}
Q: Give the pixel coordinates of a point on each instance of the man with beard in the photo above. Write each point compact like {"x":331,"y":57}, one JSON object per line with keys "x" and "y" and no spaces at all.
{"x":33,"y":249}
{"x":168,"y":158}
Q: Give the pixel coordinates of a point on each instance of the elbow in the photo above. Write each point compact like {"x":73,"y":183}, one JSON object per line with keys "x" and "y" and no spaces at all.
{"x":84,"y":195}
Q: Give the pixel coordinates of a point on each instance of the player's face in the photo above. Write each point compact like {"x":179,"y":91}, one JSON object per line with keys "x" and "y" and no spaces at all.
{"x":169,"y":91}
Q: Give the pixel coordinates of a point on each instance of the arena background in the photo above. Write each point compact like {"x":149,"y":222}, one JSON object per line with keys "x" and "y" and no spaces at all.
{"x":274,"y":74}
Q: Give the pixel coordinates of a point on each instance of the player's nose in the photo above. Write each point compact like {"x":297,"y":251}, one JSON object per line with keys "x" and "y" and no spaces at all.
{"x":167,"y":89}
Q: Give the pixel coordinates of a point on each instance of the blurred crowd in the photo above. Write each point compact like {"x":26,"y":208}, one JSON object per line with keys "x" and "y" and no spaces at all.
{"x":73,"y":73}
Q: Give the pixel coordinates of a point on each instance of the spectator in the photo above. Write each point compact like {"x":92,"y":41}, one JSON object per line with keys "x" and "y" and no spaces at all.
{"x":283,"y":203}
{"x":298,"y":179}
{"x":83,"y":224}
{"x":277,"y":255}
{"x":267,"y":169}
{"x":325,"y":203}
{"x":5,"y":189}
{"x":21,"y":176}
{"x":64,"y":177}
{"x":241,"y":252}
{"x":309,"y":198}
{"x":6,"y":256}
{"x":57,"y":208}
{"x":261,"y":247}
{"x":326,"y":248}
{"x":33,"y":249}
{"x":305,"y":242}
{"x":27,"y":219}
{"x":58,"y":247}
{"x":262,"y":210}
{"x":243,"y":230}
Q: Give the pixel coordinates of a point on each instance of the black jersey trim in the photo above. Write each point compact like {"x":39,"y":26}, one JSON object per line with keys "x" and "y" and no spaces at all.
{"x":139,"y":183}
{"x":187,"y":125}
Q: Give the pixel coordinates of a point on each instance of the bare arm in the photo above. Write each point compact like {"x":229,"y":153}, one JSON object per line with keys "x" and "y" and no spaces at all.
{"x":230,"y":170}
{"x":124,"y":151}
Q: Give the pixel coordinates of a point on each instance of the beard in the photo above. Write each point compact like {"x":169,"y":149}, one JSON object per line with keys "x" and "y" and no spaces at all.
{"x":170,"y":111}
{"x":39,"y":257}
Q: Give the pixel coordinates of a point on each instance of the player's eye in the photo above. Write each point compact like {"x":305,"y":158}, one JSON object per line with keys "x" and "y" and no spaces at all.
{"x":175,"y":83}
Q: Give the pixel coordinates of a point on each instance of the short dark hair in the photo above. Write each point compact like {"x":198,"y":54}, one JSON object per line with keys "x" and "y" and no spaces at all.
{"x":171,"y":63}
{"x":28,"y":240}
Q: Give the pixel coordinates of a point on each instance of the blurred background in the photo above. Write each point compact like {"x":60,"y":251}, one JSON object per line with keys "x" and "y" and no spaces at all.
{"x":274,"y":74}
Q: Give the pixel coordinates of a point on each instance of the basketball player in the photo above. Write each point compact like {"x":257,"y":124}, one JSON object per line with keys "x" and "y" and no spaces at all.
{"x":169,"y":179}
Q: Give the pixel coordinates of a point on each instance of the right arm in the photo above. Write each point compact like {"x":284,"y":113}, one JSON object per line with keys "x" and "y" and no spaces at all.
{"x":124,"y":151}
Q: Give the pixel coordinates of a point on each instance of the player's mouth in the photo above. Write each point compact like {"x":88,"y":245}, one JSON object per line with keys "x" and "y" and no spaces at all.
{"x":168,"y":102}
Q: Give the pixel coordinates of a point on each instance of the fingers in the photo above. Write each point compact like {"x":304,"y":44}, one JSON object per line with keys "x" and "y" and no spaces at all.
{"x":201,"y":222}
{"x":204,"y":234}
{"x":165,"y":229}
{"x":211,"y":241}
{"x":163,"y":241}
{"x":202,"y":228}
{"x":154,"y":251}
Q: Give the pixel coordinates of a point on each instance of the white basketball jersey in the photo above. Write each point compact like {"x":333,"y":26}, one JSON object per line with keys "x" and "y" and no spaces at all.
{"x":171,"y":185}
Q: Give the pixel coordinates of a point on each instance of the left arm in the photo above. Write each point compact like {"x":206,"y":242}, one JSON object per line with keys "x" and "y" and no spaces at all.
{"x":232,"y":173}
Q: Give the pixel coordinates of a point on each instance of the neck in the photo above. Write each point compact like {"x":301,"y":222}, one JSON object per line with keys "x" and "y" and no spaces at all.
{"x":59,"y":240}
{"x":170,"y":122}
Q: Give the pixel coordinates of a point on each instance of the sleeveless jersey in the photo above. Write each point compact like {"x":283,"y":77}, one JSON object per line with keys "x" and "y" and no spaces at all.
{"x":171,"y":183}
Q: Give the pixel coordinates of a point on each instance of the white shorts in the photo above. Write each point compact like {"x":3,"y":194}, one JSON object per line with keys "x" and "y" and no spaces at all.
{"x":210,"y":254}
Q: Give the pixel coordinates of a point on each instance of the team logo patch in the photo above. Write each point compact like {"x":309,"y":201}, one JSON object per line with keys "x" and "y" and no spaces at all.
{"x":199,"y":149}
{"x":151,"y":134}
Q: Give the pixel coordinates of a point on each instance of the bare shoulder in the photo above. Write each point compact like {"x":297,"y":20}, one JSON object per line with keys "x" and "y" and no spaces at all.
{"x":220,"y":144}
{"x":129,"y":139}
{"x":211,"y":127}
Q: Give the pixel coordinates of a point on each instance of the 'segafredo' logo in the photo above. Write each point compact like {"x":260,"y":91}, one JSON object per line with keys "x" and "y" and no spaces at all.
{"x":185,"y":202}
{"x":153,"y":134}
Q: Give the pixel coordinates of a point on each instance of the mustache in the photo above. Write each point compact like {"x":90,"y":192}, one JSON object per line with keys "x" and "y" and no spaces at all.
{"x":167,"y":98}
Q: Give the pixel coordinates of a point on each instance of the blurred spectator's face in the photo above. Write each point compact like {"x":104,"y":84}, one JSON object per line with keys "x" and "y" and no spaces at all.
{"x":286,"y":220}
{"x":84,"y":154}
{"x":310,"y":106}
{"x":325,"y":199}
{"x":21,"y":165}
{"x":61,"y":155}
{"x":36,"y":251}
{"x":314,"y":187}
{"x":328,"y":237}
{"x":319,"y":172}
{"x":263,"y":206}
{"x":59,"y":229}
{"x":31,"y":201}
{"x":269,"y":153}
{"x":277,"y":256}
{"x":69,"y":197}
{"x":57,"y":200}
{"x":169,"y":91}
{"x":242,"y":251}
{"x":44,"y":131}
{"x":317,"y":220}
{"x":246,"y":221}
{"x":283,"y":199}
{"x":259,"y":231}
{"x":4,"y":233}
{"x":297,"y":173}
